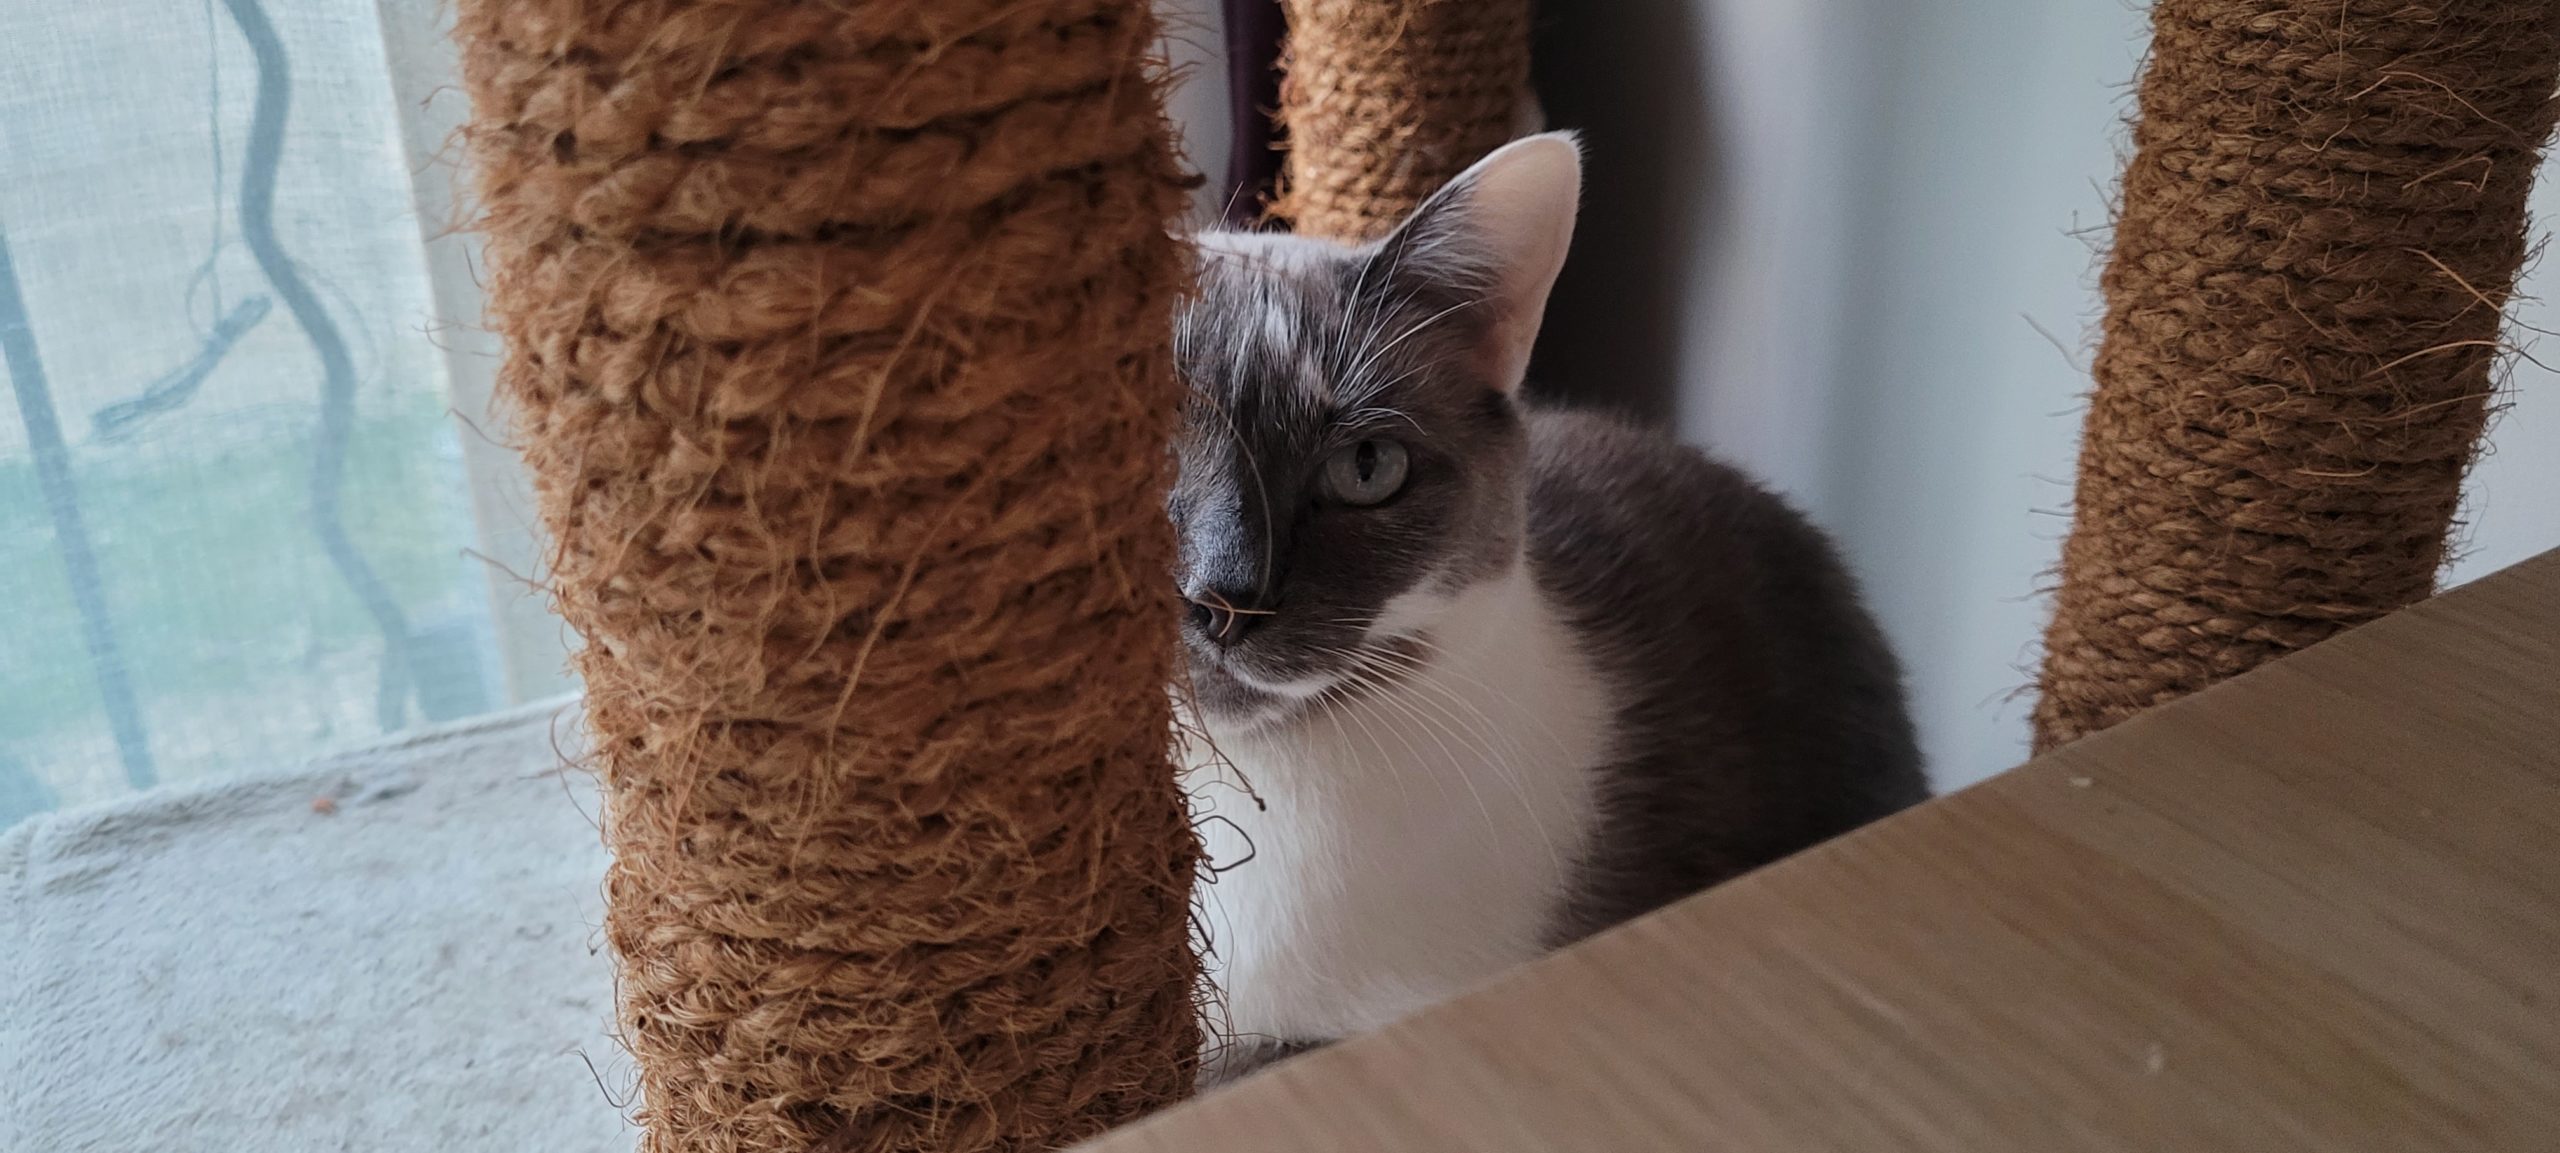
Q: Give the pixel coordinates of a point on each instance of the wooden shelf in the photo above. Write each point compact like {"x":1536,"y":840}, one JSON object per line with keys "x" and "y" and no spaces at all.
{"x":2316,"y":907}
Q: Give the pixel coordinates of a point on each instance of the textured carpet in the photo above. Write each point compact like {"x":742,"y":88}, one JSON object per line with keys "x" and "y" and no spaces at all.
{"x":395,"y":949}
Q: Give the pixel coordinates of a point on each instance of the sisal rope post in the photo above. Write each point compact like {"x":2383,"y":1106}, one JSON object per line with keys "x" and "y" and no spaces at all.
{"x":1386,"y":100}
{"x":2322,"y":221}
{"x":838,"y":344}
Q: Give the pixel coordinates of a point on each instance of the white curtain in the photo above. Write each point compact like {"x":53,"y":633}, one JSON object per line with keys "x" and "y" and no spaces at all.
{"x":246,"y":511}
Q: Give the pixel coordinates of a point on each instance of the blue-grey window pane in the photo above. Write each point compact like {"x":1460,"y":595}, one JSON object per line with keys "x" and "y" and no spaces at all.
{"x":189,"y":402}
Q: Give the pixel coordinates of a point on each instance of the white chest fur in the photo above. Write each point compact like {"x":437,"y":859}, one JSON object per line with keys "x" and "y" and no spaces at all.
{"x":1412,"y":842}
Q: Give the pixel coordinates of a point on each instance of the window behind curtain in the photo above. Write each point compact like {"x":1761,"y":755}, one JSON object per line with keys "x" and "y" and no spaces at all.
{"x":170,"y":607}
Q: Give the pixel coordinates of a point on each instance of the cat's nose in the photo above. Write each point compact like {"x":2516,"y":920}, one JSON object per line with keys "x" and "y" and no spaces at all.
{"x":1226,"y":615}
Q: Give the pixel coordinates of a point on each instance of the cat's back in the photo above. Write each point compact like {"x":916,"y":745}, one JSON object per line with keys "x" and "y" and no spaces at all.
{"x":1760,"y":710}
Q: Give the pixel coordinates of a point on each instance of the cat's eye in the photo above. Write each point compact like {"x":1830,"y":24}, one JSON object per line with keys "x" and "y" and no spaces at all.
{"x":1365,"y":473}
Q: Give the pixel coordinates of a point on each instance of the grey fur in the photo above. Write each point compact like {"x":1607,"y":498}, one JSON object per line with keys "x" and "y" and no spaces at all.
{"x":1764,"y":712}
{"x":1288,"y":359}
{"x":1758,"y":710}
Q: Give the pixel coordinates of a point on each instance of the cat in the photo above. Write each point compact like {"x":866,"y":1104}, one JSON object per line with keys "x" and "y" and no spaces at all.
{"x":1468,"y":678}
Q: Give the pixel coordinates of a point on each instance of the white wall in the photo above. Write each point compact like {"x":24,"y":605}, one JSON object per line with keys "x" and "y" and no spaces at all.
{"x":1194,"y":44}
{"x":2512,"y":502}
{"x":1942,"y":386}
{"x":1947,"y":416}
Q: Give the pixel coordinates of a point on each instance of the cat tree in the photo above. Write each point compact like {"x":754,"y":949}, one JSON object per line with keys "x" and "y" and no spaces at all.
{"x":838,"y":347}
{"x":2322,"y":221}
{"x":837,"y":342}
{"x":1386,"y":100}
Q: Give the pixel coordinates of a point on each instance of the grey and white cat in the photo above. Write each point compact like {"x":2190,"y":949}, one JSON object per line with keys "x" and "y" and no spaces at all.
{"x":1473,"y":679}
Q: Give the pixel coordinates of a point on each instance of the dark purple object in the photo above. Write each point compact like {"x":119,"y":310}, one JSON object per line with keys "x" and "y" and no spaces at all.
{"x":1254,"y":31}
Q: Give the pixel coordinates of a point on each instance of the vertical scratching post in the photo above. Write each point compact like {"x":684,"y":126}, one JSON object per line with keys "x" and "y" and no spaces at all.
{"x":2322,"y":221}
{"x":838,"y":344}
{"x":1386,"y":100}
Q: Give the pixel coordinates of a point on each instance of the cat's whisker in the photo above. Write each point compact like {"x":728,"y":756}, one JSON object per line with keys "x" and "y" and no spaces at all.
{"x":1373,"y":415}
{"x":1380,"y":352}
{"x":1451,"y":668}
{"x":1411,"y":672}
{"x":1442,"y":725}
{"x":1404,"y":791}
{"x":1253,"y":467}
{"x":1348,"y":352}
{"x":1361,"y":391}
{"x":1501,"y":761}
{"x":1455,"y":764}
{"x":1352,"y":306}
{"x":1390,"y":768}
{"x":1456,"y":767}
{"x":1218,"y":601}
{"x":1536,"y":716}
{"x":1478,"y":726}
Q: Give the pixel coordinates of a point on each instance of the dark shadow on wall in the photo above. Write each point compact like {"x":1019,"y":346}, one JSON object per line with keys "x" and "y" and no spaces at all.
{"x":1629,"y":77}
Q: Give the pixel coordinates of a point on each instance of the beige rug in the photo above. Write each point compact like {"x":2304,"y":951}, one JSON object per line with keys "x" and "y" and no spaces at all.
{"x":394,"y":949}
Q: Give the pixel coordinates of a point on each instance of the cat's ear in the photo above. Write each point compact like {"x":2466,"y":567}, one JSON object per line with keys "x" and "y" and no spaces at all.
{"x":1497,"y":235}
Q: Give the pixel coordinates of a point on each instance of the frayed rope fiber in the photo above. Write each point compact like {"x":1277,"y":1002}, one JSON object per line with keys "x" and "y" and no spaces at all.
{"x":1386,"y":100}
{"x":2322,"y":222}
{"x":838,"y":345}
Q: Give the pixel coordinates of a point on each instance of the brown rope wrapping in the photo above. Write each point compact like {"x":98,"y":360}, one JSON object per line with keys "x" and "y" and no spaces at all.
{"x":1385,"y":100}
{"x":2322,"y":221}
{"x":838,"y":343}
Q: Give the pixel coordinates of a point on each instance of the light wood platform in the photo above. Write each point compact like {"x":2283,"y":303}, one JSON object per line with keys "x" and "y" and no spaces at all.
{"x":2317,"y":907}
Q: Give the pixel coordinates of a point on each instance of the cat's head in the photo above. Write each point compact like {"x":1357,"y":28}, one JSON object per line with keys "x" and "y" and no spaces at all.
{"x":1352,"y":453}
